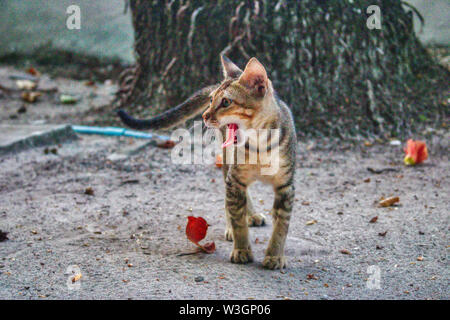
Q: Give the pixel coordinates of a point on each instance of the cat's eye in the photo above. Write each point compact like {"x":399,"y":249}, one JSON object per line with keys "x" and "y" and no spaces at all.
{"x":226,"y":102}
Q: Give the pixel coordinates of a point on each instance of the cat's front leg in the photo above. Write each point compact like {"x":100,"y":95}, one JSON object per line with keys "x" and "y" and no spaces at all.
{"x":254,"y":219}
{"x":281,"y":213}
{"x":236,"y":209}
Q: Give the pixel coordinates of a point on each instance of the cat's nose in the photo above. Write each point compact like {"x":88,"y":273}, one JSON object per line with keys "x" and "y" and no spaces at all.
{"x":206,"y":115}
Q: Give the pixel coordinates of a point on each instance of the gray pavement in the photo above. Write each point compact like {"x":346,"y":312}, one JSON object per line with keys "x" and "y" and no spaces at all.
{"x":116,"y":209}
{"x":127,"y":235}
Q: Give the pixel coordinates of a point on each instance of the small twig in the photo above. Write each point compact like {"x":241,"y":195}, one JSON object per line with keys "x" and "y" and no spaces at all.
{"x":130,"y":181}
{"x":379,"y":171}
{"x":188,"y":253}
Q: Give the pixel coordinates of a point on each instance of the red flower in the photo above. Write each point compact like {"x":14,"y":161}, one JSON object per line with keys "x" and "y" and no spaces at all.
{"x":196,"y":229}
{"x":416,"y":152}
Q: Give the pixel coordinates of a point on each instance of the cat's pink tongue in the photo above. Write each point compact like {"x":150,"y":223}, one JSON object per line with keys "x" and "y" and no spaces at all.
{"x":232,"y":128}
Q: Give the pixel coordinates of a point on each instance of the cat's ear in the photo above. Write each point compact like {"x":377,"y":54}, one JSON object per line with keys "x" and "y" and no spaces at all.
{"x":255,"y":78}
{"x":230,"y":70}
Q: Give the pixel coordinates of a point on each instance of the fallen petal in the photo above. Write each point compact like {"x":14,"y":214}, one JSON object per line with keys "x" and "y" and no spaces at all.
{"x":389,"y":201}
{"x":209,"y":247}
{"x":196,"y":229}
{"x":374,"y":219}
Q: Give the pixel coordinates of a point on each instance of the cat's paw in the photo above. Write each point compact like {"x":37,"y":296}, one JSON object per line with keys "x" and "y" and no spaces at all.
{"x":241,"y":256}
{"x":256,"y":220}
{"x":274,"y":262}
{"x":229,"y":234}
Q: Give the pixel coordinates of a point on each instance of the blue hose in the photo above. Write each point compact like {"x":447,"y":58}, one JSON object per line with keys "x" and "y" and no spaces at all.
{"x":116,"y":131}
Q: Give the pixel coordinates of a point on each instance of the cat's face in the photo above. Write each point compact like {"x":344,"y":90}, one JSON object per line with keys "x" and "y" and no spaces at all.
{"x":239,"y":97}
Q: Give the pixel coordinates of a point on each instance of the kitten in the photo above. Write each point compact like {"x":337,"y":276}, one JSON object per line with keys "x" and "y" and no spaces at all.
{"x":245,"y":100}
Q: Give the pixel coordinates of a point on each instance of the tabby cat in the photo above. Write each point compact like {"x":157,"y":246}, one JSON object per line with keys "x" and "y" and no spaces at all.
{"x":244,"y":100}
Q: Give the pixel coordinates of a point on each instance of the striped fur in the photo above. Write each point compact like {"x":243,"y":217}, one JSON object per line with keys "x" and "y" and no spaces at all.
{"x":190,"y":108}
{"x":255,"y":105}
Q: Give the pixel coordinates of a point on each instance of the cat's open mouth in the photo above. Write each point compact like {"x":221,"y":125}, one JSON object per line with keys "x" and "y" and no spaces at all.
{"x":232,"y":135}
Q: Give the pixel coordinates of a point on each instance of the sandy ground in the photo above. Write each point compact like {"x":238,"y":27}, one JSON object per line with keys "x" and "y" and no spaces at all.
{"x":126,"y":237}
{"x":138,"y":212}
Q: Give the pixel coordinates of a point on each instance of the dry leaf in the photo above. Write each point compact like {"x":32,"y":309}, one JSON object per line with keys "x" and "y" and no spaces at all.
{"x":374,"y":219}
{"x":89,"y":191}
{"x":382,"y":234}
{"x":76,"y":277}
{"x":89,"y":83}
{"x":311,"y":222}
{"x":306,"y":203}
{"x":389,"y":201}
{"x":345,"y":251}
{"x":31,"y":96}
{"x":168,"y":144}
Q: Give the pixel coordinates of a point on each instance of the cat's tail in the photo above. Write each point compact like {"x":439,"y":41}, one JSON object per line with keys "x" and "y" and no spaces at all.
{"x":188,"y":109}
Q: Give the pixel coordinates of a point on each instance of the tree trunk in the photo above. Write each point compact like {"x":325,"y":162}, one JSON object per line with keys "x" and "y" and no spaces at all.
{"x":339,"y":77}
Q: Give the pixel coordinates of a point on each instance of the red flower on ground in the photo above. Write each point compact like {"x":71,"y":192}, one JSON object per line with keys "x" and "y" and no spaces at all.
{"x":196,"y":229}
{"x":416,"y":152}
